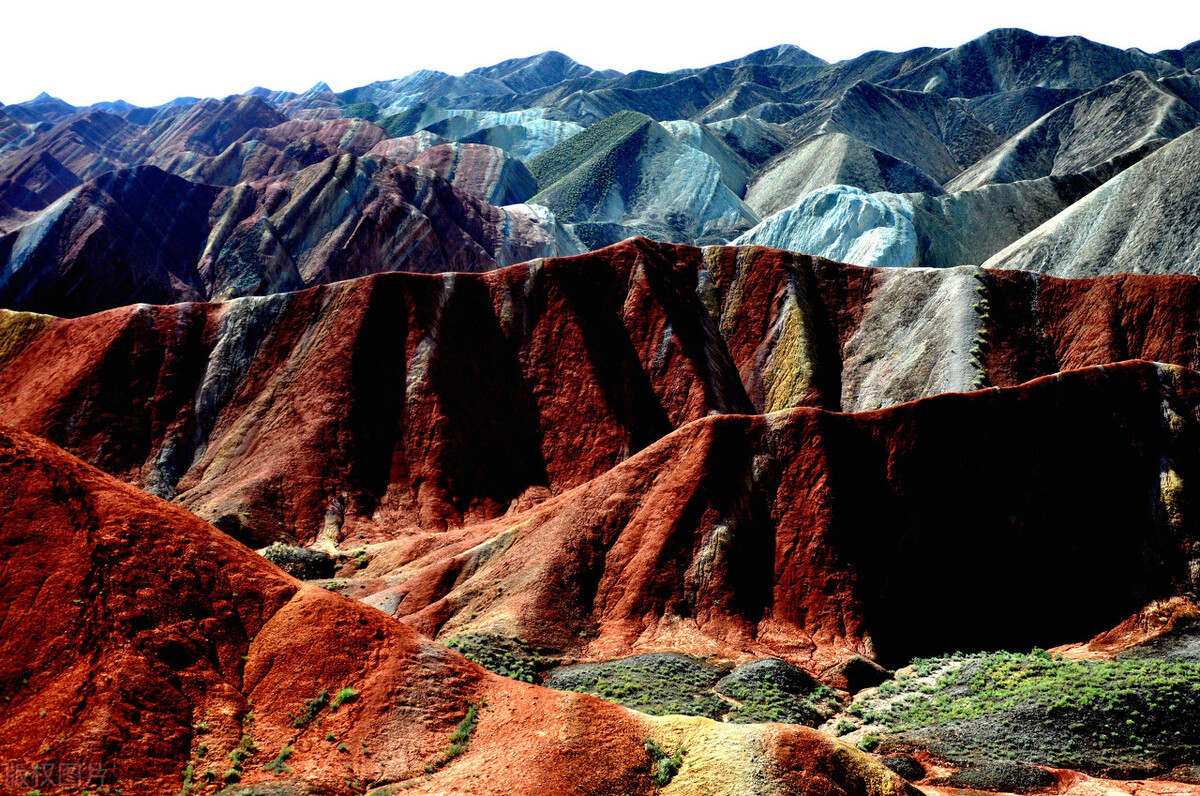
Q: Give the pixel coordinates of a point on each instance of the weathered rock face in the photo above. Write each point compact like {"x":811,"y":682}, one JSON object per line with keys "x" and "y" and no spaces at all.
{"x":406,"y":148}
{"x":485,"y":172}
{"x":844,"y":224}
{"x":128,"y":236}
{"x":524,"y":139}
{"x":522,"y":133}
{"x":757,"y":141}
{"x":937,"y":137}
{"x":150,"y":649}
{"x":86,"y":146}
{"x":285,"y":148}
{"x":141,"y":235}
{"x":810,"y":535}
{"x":1142,"y":221}
{"x":968,"y":227}
{"x":634,"y":176}
{"x":832,"y":159}
{"x":32,"y":177}
{"x":735,"y":170}
{"x":382,"y":369}
{"x":13,"y":134}
{"x":1009,"y":112}
{"x":1009,"y":59}
{"x":279,"y":235}
{"x":1117,"y":120}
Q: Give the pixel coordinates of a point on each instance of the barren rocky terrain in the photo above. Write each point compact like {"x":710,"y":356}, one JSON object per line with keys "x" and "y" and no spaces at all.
{"x":772,"y":427}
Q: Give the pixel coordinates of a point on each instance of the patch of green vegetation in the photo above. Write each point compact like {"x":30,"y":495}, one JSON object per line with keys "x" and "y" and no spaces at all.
{"x":507,"y":656}
{"x":1108,"y":716}
{"x":189,"y":780}
{"x":575,"y":175}
{"x":843,"y":726}
{"x":279,"y":764}
{"x":406,"y":122}
{"x":244,"y":749}
{"x":342,"y":697}
{"x":311,"y":708}
{"x":981,"y":343}
{"x":664,"y":766}
{"x":773,"y":691}
{"x":361,"y":110}
{"x":460,"y":739}
{"x":658,"y":683}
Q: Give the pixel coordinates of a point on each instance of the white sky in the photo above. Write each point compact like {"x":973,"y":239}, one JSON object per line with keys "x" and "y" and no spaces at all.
{"x":150,"y":52}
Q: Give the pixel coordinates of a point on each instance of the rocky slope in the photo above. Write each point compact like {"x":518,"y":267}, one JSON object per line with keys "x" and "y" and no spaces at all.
{"x":142,"y":235}
{"x":1121,"y":119}
{"x":809,"y":535}
{"x":380,"y":370}
{"x":844,"y":224}
{"x":628,"y":175}
{"x":1141,"y":221}
{"x":147,"y":652}
{"x":917,"y":140}
{"x":721,"y":485}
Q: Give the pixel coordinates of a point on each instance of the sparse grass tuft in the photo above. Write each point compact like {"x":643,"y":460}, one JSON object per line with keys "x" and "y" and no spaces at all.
{"x":279,"y":764}
{"x":664,"y":766}
{"x":311,"y":708}
{"x":460,"y":739}
{"x":342,"y":697}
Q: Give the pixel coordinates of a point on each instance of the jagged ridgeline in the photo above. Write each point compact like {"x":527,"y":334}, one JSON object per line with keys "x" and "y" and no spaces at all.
{"x":982,"y":153}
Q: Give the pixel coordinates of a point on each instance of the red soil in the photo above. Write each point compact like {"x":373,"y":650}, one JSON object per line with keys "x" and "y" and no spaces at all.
{"x":134,"y":633}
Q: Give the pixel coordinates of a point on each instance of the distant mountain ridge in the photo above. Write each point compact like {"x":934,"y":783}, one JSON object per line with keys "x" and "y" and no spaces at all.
{"x":696,"y":156}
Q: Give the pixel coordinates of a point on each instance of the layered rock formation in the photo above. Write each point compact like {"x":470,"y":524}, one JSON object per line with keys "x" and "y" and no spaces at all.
{"x":149,"y":652}
{"x":805,"y":533}
{"x":296,"y":417}
{"x":843,"y":224}
{"x":745,"y":477}
{"x":141,"y":235}
{"x":485,"y":172}
{"x":628,"y":175}
{"x":1141,"y":221}
{"x":694,"y":156}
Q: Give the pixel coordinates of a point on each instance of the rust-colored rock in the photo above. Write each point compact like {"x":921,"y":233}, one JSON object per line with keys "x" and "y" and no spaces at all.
{"x":142,"y":646}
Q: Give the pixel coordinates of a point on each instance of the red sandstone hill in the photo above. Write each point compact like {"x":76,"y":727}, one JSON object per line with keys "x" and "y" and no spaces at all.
{"x":143,"y":649}
{"x":956,"y":522}
{"x":398,"y":401}
{"x":431,"y":415}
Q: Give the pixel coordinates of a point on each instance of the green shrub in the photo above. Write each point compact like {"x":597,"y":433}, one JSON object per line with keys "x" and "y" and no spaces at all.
{"x":460,"y":739}
{"x":663,"y":766}
{"x":506,"y":656}
{"x":342,"y":697}
{"x":311,"y":708}
{"x":279,"y":764}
